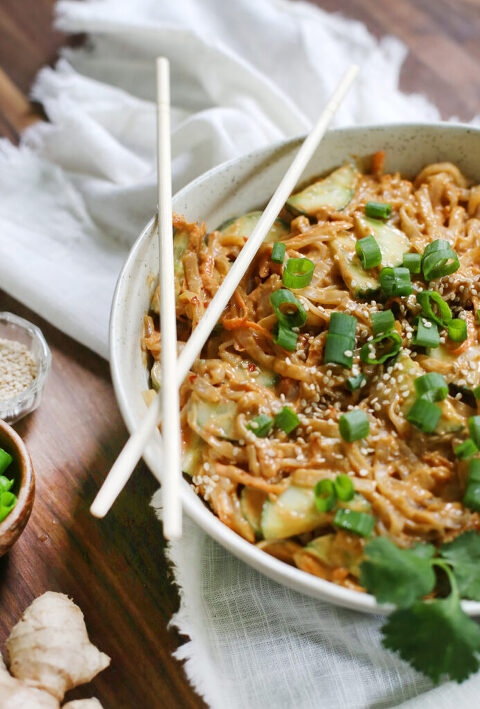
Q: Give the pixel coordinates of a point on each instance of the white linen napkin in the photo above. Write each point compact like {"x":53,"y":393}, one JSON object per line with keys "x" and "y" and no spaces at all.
{"x":76,"y":194}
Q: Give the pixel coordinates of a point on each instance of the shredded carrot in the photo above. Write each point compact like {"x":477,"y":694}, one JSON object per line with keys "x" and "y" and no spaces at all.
{"x":378,"y":160}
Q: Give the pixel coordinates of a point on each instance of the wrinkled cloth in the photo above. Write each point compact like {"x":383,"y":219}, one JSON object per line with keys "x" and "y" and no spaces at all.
{"x":76,"y":194}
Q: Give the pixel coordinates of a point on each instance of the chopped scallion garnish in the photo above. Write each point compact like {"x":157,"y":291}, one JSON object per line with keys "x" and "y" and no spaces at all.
{"x":381,"y":348}
{"x":339,"y":350}
{"x":261,"y":425}
{"x":466,"y":449}
{"x":426,"y":334}
{"x":284,"y":337}
{"x":7,"y":502}
{"x":357,"y":382}
{"x":298,"y":272}
{"x":457,"y":330}
{"x":474,"y":428}
{"x":325,"y":497}
{"x":278,"y":252}
{"x":354,"y":425}
{"x":352,"y":521}
{"x":413,"y":262}
{"x":439,"y":259}
{"x":342,"y":324}
{"x":378,"y":210}
{"x":286,"y":419}
{"x":471,"y":498}
{"x":288,"y":309}
{"x":431,"y":386}
{"x":344,"y":488}
{"x":396,"y":281}
{"x":5,"y":460}
{"x":368,"y":251}
{"x":434,"y":307}
{"x":424,"y":415}
{"x":383,"y":321}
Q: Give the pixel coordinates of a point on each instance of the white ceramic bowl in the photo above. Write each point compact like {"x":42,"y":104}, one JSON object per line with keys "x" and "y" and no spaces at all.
{"x":231,"y":189}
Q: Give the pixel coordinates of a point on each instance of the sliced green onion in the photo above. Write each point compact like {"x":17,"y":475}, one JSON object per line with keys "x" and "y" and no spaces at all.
{"x":424,"y":415}
{"x":7,"y":502}
{"x":413,"y":262}
{"x":354,"y":425}
{"x":278,"y":252}
{"x":431,"y":386}
{"x":466,"y":449}
{"x":5,"y":483}
{"x":476,"y":392}
{"x":357,"y":382}
{"x":442,"y":314}
{"x":378,"y":210}
{"x":284,"y":337}
{"x":368,"y":251}
{"x":342,"y":324}
{"x":396,"y":281}
{"x":426,"y":334}
{"x":471,"y":498}
{"x":474,"y":428}
{"x":5,"y":460}
{"x":439,"y":259}
{"x":288,"y":309}
{"x":344,"y":488}
{"x":339,"y":350}
{"x":298,"y":272}
{"x":325,"y":497}
{"x":457,"y":330}
{"x":286,"y":419}
{"x":381,"y":348}
{"x":261,"y":425}
{"x":352,"y":521}
{"x":383,"y":321}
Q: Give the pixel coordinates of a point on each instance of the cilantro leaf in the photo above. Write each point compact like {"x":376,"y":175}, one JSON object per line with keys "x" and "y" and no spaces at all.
{"x":399,"y":576}
{"x":436,"y":638}
{"x":464,"y":556}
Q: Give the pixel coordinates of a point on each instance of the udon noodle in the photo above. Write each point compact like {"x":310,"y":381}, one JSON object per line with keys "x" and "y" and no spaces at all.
{"x":262,"y":487}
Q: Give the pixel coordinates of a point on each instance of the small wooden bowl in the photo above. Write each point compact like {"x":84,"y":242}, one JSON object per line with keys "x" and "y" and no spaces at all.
{"x":22,"y":470}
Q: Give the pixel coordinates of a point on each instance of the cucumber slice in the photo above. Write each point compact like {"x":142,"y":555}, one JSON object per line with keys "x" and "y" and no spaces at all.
{"x":265,"y":377}
{"x":219,"y":417}
{"x":392,"y":242}
{"x":156,"y":375}
{"x":192,"y":454}
{"x":246,"y":224}
{"x":335,"y":191}
{"x":293,"y":512}
{"x":180,"y":243}
{"x":335,"y":551}
{"x":358,"y":281}
{"x":251,"y":505}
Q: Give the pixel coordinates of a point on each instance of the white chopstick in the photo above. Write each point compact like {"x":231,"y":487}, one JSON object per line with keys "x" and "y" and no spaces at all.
{"x":133,"y":449}
{"x":169,"y":399}
{"x":172,"y":507}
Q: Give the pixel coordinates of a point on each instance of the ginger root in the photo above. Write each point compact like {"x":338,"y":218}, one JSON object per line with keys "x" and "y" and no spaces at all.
{"x":49,"y":652}
{"x":14,"y":694}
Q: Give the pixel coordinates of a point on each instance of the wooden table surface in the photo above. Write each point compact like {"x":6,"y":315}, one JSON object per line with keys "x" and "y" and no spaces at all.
{"x":115,"y":569}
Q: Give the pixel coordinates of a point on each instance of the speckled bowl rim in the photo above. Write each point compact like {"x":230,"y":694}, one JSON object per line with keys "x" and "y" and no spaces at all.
{"x":14,"y":524}
{"x":193,"y":506}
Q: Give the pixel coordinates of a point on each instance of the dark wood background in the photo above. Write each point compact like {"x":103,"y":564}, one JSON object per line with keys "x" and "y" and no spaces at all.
{"x":115,"y":569}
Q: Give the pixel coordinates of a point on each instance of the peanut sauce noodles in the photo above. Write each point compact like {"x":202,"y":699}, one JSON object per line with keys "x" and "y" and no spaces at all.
{"x":306,"y":433}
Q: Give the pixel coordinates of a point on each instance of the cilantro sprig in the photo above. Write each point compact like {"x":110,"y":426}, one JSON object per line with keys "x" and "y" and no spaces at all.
{"x":435,"y":636}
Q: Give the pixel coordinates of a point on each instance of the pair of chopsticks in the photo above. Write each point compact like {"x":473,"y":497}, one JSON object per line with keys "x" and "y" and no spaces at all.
{"x":174,"y":371}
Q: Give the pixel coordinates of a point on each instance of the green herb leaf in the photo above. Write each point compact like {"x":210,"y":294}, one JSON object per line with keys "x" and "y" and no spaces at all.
{"x":436,"y":638}
{"x":464,"y":556}
{"x":399,"y":576}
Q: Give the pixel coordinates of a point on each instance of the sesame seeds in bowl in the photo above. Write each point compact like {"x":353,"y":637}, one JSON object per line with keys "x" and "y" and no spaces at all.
{"x":24,"y":365}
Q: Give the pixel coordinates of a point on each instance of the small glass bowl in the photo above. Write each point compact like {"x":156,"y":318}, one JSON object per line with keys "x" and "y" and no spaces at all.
{"x":13,"y":327}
